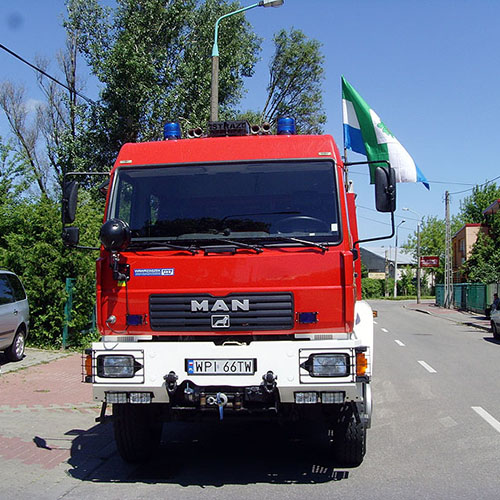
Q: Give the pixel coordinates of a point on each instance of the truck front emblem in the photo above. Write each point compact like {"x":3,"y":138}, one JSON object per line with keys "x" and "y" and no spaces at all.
{"x":220,"y":321}
{"x":220,"y":306}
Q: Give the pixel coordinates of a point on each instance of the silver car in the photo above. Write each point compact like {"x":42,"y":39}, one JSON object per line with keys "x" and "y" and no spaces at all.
{"x":495,"y":322}
{"x":14,"y":316}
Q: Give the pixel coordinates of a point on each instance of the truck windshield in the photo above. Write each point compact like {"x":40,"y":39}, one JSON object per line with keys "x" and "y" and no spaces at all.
{"x":244,"y":201}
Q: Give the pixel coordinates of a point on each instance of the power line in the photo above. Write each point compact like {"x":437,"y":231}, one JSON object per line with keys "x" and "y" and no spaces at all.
{"x":477,"y":185}
{"x":383,"y":223}
{"x":55,"y":80}
{"x":444,"y":182}
{"x":373,"y":210}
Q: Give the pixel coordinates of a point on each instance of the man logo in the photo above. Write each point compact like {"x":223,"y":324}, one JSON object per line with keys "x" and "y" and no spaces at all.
{"x":220,"y":321}
{"x":220,"y":306}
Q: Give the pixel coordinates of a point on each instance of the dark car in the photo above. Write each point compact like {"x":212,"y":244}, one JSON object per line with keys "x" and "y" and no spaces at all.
{"x":14,"y":316}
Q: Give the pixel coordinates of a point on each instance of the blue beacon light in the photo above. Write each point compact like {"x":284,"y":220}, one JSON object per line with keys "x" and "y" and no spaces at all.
{"x":286,"y":126}
{"x":171,"y":130}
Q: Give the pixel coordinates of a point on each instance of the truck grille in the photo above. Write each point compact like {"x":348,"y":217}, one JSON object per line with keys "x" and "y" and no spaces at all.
{"x":235,"y":312}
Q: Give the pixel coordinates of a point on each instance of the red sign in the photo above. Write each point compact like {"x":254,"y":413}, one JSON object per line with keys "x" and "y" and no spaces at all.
{"x":429,"y":261}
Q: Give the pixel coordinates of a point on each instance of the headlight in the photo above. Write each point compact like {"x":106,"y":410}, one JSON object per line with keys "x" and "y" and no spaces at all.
{"x":117,"y":366}
{"x":327,"y":365}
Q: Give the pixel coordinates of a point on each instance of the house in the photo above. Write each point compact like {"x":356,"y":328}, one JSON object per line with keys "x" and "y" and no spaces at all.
{"x":463,"y":241}
{"x":376,"y":258}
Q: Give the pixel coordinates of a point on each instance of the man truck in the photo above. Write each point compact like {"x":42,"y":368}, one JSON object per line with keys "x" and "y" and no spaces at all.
{"x":229,"y":286}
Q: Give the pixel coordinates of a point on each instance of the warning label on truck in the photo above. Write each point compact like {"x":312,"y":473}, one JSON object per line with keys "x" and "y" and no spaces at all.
{"x":154,"y":272}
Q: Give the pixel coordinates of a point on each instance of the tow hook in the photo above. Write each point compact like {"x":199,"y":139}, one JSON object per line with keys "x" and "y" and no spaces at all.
{"x":221,"y":402}
{"x":171,"y":382}
{"x":270,"y":381}
{"x":189,"y":393}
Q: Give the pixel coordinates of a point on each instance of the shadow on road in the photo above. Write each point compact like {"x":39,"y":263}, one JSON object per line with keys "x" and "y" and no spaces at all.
{"x":492,"y":340}
{"x":4,"y":360}
{"x":209,"y":454}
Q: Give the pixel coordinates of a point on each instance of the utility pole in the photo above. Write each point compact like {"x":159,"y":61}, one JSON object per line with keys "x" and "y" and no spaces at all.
{"x":420,"y":219}
{"x":448,"y":282}
{"x":396,"y":261}
{"x":386,"y":288}
{"x":418,"y":263}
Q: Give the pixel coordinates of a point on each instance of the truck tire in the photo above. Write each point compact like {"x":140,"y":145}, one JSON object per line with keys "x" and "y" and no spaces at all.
{"x":137,"y":430}
{"x":349,"y":438}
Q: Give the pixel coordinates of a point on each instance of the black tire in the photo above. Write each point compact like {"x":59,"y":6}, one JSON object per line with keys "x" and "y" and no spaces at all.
{"x":137,"y":430}
{"x":495,"y":331}
{"x":349,"y":438}
{"x":16,"y":351}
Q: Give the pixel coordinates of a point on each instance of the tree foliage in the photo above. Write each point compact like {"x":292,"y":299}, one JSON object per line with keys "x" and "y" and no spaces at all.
{"x":472,"y":207}
{"x":31,"y":246}
{"x":153,"y":59}
{"x":295,"y":77}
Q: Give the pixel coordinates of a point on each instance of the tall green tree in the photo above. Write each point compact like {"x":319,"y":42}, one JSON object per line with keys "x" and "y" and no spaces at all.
{"x":295,"y":77}
{"x":472,"y":207}
{"x":153,"y":59}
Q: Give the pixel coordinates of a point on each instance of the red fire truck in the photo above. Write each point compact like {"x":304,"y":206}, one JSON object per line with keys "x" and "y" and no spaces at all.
{"x":229,"y":285}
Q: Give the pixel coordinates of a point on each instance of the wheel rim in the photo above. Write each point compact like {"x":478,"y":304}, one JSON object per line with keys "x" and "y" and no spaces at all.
{"x":19,"y":347}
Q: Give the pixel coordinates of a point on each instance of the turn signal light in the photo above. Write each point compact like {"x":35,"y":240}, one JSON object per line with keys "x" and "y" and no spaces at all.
{"x":88,"y":365}
{"x":361,"y":364}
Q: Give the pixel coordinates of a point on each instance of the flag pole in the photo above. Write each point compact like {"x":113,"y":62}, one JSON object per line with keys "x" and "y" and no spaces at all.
{"x":346,"y":170}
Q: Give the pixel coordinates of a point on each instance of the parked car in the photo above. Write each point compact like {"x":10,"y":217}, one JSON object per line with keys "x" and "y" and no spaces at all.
{"x":495,"y":322}
{"x":14,"y":316}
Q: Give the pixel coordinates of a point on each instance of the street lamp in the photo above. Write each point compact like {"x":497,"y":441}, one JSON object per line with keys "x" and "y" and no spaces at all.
{"x":420,"y":218}
{"x":396,"y":261}
{"x":214,"y":93}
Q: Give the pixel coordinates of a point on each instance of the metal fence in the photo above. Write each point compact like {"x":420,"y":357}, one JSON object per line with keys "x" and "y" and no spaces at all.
{"x":469,"y":296}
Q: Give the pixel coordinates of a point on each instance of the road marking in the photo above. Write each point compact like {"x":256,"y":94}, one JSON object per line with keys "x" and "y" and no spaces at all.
{"x":375,"y":323}
{"x":400,"y":344}
{"x":447,"y":422}
{"x":486,"y":416}
{"x":385,"y":330}
{"x":427,"y":367}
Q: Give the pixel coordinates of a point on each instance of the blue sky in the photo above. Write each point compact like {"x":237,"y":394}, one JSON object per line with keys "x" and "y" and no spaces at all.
{"x":430,"y":69}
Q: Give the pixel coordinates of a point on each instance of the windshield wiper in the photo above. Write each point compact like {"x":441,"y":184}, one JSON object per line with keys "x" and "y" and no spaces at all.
{"x":307,"y":243}
{"x":237,"y":244}
{"x":161,"y":245}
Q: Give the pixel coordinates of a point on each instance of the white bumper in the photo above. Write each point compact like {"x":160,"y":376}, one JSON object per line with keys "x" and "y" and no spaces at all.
{"x":155,"y":360}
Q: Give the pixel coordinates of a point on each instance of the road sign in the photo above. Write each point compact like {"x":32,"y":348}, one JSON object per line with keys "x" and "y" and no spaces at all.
{"x":429,"y":261}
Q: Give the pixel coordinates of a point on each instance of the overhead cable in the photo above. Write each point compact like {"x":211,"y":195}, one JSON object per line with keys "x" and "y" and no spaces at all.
{"x":55,"y":80}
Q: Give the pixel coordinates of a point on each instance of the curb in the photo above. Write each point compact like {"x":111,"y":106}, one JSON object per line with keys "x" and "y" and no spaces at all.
{"x":467,"y":323}
{"x":480,"y":327}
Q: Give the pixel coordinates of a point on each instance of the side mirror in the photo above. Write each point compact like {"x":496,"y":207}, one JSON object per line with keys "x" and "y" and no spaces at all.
{"x":71,"y":236}
{"x":385,"y":189}
{"x":69,"y":202}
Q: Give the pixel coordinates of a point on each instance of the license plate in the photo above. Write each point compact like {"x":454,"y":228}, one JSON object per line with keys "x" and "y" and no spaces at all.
{"x":220,"y":366}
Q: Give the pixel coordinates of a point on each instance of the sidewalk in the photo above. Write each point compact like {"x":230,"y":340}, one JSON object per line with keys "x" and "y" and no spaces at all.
{"x":468,"y":318}
{"x":32,"y":357}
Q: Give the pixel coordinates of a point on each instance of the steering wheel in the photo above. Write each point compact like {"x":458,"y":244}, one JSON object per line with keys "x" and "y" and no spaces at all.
{"x":302,"y":223}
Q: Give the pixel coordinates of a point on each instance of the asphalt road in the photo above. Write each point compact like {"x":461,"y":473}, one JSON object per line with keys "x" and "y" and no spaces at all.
{"x":435,"y":432}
